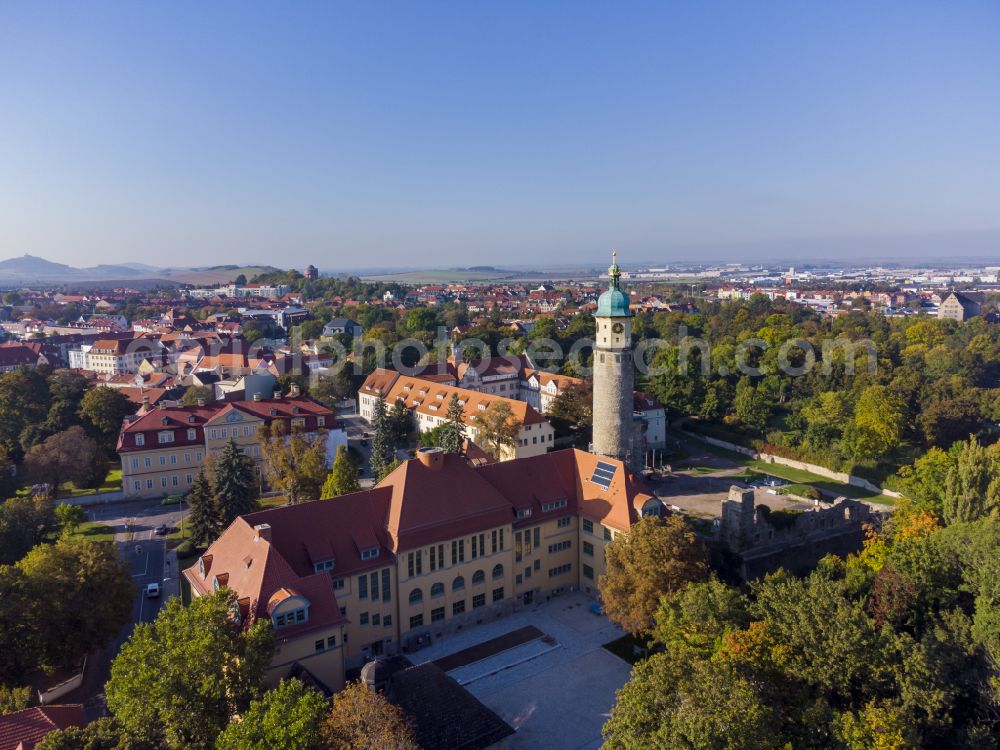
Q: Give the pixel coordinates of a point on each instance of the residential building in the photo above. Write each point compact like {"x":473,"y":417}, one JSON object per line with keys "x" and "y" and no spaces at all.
{"x":343,"y":325}
{"x":437,"y":546}
{"x":959,"y":306}
{"x":121,"y":356}
{"x":428,"y":401}
{"x":162,"y":449}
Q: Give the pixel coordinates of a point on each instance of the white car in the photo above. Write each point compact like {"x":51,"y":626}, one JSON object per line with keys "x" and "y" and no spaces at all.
{"x":152,"y":590}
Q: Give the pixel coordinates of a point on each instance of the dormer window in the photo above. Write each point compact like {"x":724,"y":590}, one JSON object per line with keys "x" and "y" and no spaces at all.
{"x":192,"y":434}
{"x":201,"y":567}
{"x":273,"y":412}
{"x":523,"y":512}
{"x":370,"y":553}
{"x":164,"y":421}
{"x":324,"y":565}
{"x":140,"y":439}
{"x":295,"y":410}
{"x":320,"y":421}
{"x":292,"y":617}
{"x":215,"y":583}
{"x":553,"y":505}
{"x":190,"y":418}
{"x":482,"y":407}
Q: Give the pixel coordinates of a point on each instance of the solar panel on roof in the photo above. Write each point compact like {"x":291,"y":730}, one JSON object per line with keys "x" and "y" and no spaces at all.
{"x":603,"y":474}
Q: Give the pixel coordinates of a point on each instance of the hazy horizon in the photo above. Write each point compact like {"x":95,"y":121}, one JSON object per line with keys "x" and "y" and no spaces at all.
{"x":400,"y":135}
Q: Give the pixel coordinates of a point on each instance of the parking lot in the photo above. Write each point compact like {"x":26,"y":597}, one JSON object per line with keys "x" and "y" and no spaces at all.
{"x":556,"y":692}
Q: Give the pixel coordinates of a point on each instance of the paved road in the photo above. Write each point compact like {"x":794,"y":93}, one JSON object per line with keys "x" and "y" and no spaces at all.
{"x":145,"y":554}
{"x":356,"y":427}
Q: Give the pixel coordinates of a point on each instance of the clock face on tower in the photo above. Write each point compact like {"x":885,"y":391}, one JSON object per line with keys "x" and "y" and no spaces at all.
{"x":617,"y":328}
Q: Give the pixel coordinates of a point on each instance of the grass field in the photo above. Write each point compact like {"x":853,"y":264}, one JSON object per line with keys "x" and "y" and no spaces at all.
{"x":94,"y":532}
{"x":625,"y":648}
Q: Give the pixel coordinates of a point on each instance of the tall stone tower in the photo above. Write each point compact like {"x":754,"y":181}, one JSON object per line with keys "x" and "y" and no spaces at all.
{"x":613,"y":371}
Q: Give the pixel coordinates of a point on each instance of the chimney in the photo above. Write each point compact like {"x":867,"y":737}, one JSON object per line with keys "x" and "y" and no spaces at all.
{"x":293,"y":390}
{"x":277,"y":393}
{"x":262,"y":531}
{"x":256,"y":397}
{"x":431,"y":457}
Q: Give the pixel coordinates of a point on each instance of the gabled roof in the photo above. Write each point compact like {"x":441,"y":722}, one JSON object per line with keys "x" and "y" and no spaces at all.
{"x":24,"y":729}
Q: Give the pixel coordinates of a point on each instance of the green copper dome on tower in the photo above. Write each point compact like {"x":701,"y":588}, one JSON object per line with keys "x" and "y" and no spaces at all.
{"x":614,"y":302}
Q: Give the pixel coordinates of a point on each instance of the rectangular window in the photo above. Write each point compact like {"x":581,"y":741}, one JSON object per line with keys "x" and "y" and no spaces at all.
{"x":588,"y":572}
{"x":457,"y":551}
{"x":538,"y":564}
{"x":374,"y":586}
{"x":163,"y":481}
{"x":437,"y":614}
{"x":136,"y":485}
{"x":417,"y":621}
{"x":560,"y":546}
{"x":149,"y":484}
{"x":376,"y":619}
{"x":538,"y":536}
{"x":519,"y":580}
{"x":331,"y":641}
{"x":189,"y":479}
{"x":497,"y":594}
{"x":163,"y":460}
{"x":607,"y":534}
{"x":475,"y":547}
{"x":363,"y":618}
{"x":501,"y":539}
{"x":387,"y":621}
{"x":494,"y":540}
{"x":319,"y":645}
{"x":135,"y":463}
{"x":187,"y":458}
{"x":479,"y":600}
{"x":588,"y":549}
{"x":553,"y":572}
{"x":518,"y":548}
{"x":214,"y":433}
{"x":362,"y":587}
{"x":338,"y":584}
{"x":386,"y":591}
{"x":588,"y":525}
{"x":527,"y":571}
{"x":140,"y":439}
{"x":458,"y":608}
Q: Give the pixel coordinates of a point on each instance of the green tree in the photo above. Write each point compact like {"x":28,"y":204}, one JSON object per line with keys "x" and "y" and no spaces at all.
{"x":496,"y":428}
{"x":104,"y":409}
{"x":452,"y":430}
{"x":697,"y":617}
{"x":362,"y":718}
{"x":179,"y":680}
{"x":205,"y":515}
{"x":972,"y":489}
{"x":656,"y":558}
{"x":344,"y":477}
{"x":877,"y":428}
{"x":24,"y":522}
{"x":289,"y":717}
{"x":401,"y":422}
{"x":383,"y":448}
{"x":235,"y":483}
{"x":103,"y":734}
{"x":195,"y":393}
{"x":61,"y":583}
{"x":69,"y":518}
{"x":295,"y":465}
{"x":925,"y":481}
{"x":750,"y":406}
{"x":573,"y":411}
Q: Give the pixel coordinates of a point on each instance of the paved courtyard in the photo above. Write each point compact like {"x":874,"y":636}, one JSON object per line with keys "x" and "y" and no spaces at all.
{"x":556,"y":692}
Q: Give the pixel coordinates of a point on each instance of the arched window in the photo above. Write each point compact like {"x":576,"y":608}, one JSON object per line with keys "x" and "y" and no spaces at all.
{"x":416,"y":596}
{"x":458,"y":584}
{"x":478,"y":577}
{"x":498,"y":571}
{"x":437,"y":589}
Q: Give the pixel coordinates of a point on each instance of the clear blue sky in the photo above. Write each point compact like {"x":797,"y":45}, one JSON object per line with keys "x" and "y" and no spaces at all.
{"x":421,"y":133}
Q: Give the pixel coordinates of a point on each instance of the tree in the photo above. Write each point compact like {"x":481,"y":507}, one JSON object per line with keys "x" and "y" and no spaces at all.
{"x":195,"y":393}
{"x":383,"y":448}
{"x":104,"y":409}
{"x":68,"y":456}
{"x":877,"y":428}
{"x":205,"y":516}
{"x":973,"y":486}
{"x":179,"y":680}
{"x":24,"y":401}
{"x":401,"y":422}
{"x":24,"y":522}
{"x":330,"y":389}
{"x":69,"y":518}
{"x":452,"y":430}
{"x":655,"y":558}
{"x":235,"y":483}
{"x":103,"y":734}
{"x":344,"y":477}
{"x":699,"y":615}
{"x":289,"y":717}
{"x":497,"y":428}
{"x":295,"y":465}
{"x":750,"y":406}
{"x":362,"y":718}
{"x":61,"y":583}
{"x":572,"y":409}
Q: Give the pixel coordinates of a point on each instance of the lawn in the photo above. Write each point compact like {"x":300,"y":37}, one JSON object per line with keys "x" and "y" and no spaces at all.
{"x":94,"y":532}
{"x":111,"y":483}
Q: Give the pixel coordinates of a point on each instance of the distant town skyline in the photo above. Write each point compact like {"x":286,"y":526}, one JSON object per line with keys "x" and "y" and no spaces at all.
{"x":439,"y":135}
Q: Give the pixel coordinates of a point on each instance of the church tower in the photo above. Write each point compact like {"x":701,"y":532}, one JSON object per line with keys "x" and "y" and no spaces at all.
{"x":613,"y":371}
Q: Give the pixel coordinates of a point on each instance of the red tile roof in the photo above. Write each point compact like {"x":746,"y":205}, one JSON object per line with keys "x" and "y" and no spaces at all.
{"x":23,"y":729}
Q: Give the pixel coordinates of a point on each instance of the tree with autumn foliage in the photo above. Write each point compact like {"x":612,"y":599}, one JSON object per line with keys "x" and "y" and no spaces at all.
{"x":656,"y":558}
{"x":496,"y":428}
{"x":363,"y":718}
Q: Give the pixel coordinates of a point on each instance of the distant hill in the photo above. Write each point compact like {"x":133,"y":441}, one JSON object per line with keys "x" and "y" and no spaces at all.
{"x":30,"y":269}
